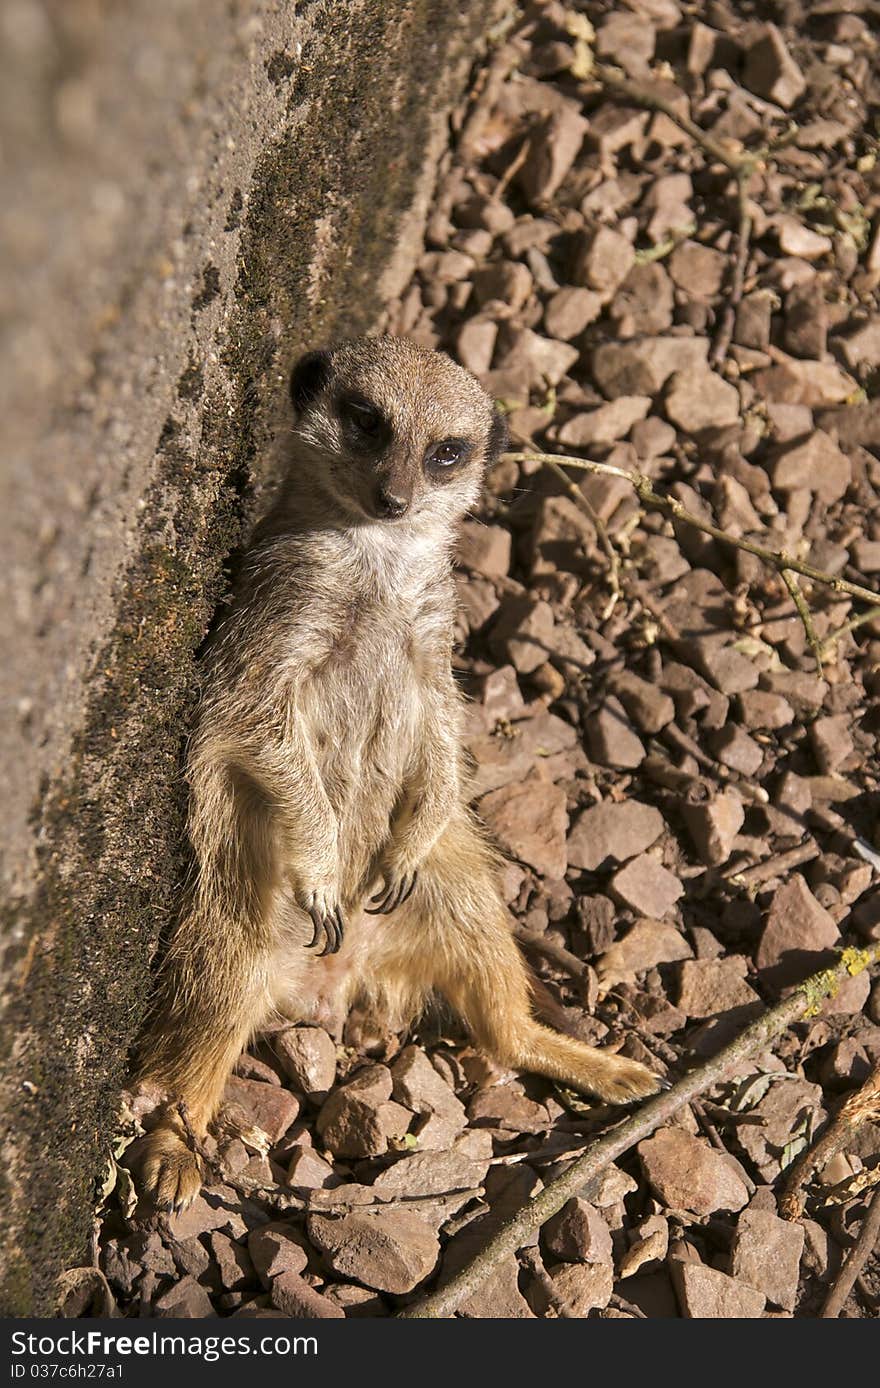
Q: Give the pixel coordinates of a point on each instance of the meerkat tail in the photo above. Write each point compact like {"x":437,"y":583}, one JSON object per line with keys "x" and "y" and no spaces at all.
{"x":465,"y":934}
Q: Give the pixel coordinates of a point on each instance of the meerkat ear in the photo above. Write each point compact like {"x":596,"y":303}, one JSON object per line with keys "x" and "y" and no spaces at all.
{"x":499,"y":437}
{"x":310,"y":375}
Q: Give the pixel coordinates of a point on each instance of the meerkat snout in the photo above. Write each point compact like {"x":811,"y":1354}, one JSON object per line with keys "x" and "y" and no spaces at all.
{"x":395,"y":431}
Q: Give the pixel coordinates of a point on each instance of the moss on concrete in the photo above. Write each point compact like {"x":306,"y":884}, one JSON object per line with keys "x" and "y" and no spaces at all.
{"x":316,"y":227}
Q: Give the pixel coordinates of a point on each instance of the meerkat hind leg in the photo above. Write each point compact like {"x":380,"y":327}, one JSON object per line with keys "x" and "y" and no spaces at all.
{"x":465,"y":940}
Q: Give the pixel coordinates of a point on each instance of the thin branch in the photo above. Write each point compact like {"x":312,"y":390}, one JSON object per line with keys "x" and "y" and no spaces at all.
{"x":804,"y":613}
{"x":601,"y":530}
{"x":860,"y":619}
{"x":721,"y":345}
{"x":777,"y":866}
{"x":859,"y":1255}
{"x":655,"y":501}
{"x":861,"y":1107}
{"x":804,"y":1001}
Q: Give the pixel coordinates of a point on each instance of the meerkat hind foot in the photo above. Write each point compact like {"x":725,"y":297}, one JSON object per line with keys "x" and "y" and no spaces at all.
{"x":617,"y":1080}
{"x":170,"y":1172}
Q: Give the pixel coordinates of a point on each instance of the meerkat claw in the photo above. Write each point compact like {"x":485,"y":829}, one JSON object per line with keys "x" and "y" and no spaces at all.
{"x":393,"y":894}
{"x":329,"y":923}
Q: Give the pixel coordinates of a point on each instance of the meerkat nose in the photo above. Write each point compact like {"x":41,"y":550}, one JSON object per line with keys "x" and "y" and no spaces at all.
{"x":388,"y":505}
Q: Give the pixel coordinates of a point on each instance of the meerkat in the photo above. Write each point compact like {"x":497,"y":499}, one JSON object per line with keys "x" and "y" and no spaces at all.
{"x":337,"y":857}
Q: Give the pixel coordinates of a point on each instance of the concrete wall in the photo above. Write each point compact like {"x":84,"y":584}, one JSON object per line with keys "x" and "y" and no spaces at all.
{"x":192,"y":193}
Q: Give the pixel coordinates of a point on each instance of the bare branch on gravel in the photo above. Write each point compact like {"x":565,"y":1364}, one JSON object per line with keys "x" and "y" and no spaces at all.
{"x":859,"y":1255}
{"x":515,"y":1232}
{"x":803,"y":610}
{"x":861,"y":1107}
{"x":668,"y":506}
{"x":778,"y":866}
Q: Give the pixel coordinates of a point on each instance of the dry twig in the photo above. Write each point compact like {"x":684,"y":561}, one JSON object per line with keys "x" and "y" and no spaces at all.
{"x":859,"y":1255}
{"x":515,"y":1232}
{"x":861,"y":1107}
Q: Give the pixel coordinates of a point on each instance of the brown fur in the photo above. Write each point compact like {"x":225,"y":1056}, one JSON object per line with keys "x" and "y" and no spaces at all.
{"x":327,"y":762}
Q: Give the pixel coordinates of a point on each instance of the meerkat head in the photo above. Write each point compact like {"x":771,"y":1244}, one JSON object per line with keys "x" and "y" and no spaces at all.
{"x":394,"y":431}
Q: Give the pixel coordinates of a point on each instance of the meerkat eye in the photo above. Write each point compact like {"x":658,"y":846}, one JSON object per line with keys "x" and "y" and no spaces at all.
{"x":363,"y":416}
{"x":442,"y":456}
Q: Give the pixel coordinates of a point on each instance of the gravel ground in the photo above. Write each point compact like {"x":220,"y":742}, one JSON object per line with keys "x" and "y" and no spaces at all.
{"x":687,"y":801}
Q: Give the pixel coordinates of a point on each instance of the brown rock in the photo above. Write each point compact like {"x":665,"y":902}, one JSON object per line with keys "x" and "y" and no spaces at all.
{"x":388,"y":1250}
{"x":771,"y":72}
{"x":804,"y":692}
{"x":699,"y":399}
{"x":563,"y":538}
{"x":552,"y":148}
{"x":797,"y":932}
{"x":831,"y":741}
{"x":308,"y":1056}
{"x":643,"y":365}
{"x":647,"y":705}
{"x":754,"y":316}
{"x":802,"y":243}
{"x":646,"y":945}
{"x":766,"y":1254}
{"x":813,"y":383}
{"x":761,"y":709}
{"x":530,"y":822}
{"x":603,"y":261}
{"x":353,"y":1122}
{"x":523,"y":633}
{"x":310,"y":1171}
{"x":734,"y":748}
{"x":506,"y":281}
{"x":265,"y":1106}
{"x":570,"y":311}
{"x":544,"y":359}
{"x":687,"y":1174}
{"x":609,"y":832}
{"x":698,"y":270}
{"x":232,"y":1261}
{"x":186,"y":1300}
{"x":484,"y":549}
{"x":817,"y":465}
{"x":806,"y":320}
{"x":578,"y":1234}
{"x":583,"y":1287}
{"x":714,"y":825}
{"x":709,"y":986}
{"x":607,"y":424}
{"x":706,"y":1294}
{"x":647,"y":887}
{"x":475,"y":344}
{"x":644,"y":303}
{"x":420,"y":1088}
{"x":294,"y":1297}
{"x":275,"y":1248}
{"x":611,"y":739}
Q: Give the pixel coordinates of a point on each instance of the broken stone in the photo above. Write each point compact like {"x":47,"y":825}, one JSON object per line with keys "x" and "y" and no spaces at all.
{"x":609,"y":832}
{"x":650,"y":1245}
{"x":570,"y":311}
{"x":806,"y":320}
{"x":505,"y":281}
{"x":357,"y":1120}
{"x":698,"y":269}
{"x":186,"y":1300}
{"x":644,"y":303}
{"x":642,"y":366}
{"x":603,"y":261}
{"x":734,"y":748}
{"x":647,"y":887}
{"x":418,"y":1086}
{"x":771,"y":72}
{"x":551,"y":149}
{"x":813,"y":383}
{"x":699,"y":399}
{"x":484,"y":549}
{"x":816,"y":464}
{"x":754,"y":316}
{"x":292,"y":1295}
{"x":583,"y":1287}
{"x":766,"y":1253}
{"x":523,"y":633}
{"x":388,"y":1250}
{"x":611,"y":739}
{"x":646,"y":945}
{"x":714,"y":825}
{"x":265,"y":1106}
{"x":687,"y":1174}
{"x":578,"y":1234}
{"x":309,"y":1171}
{"x":308,"y":1055}
{"x":647,"y":705}
{"x":706,"y":1294}
{"x":763,"y":710}
{"x":795,"y":239}
{"x":529,"y":822}
{"x":707,"y":987}
{"x":607,"y":424}
{"x":797,"y":932}
{"x":275,"y":1249}
{"x":475,"y":344}
{"x":831,"y":741}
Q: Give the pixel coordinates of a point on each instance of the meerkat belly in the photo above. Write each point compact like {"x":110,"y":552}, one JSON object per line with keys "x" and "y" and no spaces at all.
{"x":364,"y":718}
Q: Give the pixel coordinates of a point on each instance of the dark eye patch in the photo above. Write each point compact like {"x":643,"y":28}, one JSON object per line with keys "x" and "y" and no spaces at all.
{"x":362,"y":419}
{"x":447,"y":455}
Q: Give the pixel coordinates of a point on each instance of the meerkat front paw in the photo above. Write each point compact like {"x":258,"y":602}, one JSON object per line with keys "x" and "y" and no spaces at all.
{"x":170,"y":1172}
{"x":326,"y":915}
{"x":397,"y":884}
